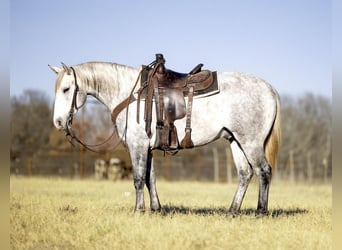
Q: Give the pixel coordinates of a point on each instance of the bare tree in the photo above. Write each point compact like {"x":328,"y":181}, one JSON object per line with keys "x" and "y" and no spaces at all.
{"x":30,"y":122}
{"x":306,"y":125}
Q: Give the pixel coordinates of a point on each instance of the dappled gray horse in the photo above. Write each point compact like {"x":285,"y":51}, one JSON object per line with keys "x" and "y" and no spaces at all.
{"x":245,"y":112}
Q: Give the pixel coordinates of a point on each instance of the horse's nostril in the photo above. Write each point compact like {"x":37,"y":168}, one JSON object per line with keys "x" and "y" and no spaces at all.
{"x":58,"y":123}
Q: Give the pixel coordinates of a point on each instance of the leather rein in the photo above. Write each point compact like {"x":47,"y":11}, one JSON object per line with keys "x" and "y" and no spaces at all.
{"x":116,"y":111}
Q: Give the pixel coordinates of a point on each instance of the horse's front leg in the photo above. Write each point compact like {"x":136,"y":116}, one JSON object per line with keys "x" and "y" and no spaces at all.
{"x":151,"y":183}
{"x":139,"y":161}
{"x":143,"y":173}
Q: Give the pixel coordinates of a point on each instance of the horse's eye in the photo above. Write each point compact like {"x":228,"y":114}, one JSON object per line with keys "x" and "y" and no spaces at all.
{"x":65,"y":90}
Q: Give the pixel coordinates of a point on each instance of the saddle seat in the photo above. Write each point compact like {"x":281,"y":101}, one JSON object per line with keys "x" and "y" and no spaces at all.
{"x":174,"y":80}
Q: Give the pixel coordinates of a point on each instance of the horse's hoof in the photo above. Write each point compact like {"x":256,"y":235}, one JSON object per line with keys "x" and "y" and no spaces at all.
{"x":139,"y":210}
{"x":155,"y":207}
{"x":261,"y":213}
{"x":156,"y":210}
{"x":232,"y":214}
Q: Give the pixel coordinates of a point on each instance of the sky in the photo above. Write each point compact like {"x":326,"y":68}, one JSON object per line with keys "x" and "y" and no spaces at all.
{"x":287,"y":43}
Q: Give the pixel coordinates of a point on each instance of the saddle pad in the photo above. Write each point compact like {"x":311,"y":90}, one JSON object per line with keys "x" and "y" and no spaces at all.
{"x":211,"y":90}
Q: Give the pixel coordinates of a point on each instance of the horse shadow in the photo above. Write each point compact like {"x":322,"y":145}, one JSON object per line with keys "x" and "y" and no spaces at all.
{"x":171,"y":210}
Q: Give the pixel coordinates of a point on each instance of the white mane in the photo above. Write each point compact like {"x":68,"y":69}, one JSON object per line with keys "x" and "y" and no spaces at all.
{"x":105,"y":80}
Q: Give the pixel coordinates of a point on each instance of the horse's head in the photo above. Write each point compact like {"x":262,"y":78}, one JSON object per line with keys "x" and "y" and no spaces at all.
{"x":69,"y":97}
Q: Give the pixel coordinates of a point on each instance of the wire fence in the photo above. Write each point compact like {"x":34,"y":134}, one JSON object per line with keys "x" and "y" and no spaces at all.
{"x":209,"y":163}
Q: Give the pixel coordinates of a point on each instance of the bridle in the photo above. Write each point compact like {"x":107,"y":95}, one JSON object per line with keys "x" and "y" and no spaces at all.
{"x":69,"y":133}
{"x":73,"y":102}
{"x":121,"y":106}
{"x":116,"y":111}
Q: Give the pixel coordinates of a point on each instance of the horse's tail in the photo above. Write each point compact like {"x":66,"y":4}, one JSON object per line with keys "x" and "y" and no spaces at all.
{"x":274,"y":138}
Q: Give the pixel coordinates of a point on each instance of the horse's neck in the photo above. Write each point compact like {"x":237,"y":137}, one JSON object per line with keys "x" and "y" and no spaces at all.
{"x":109,"y":83}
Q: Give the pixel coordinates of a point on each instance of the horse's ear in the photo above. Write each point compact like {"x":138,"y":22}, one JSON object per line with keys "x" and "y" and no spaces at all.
{"x":54,"y":69}
{"x":66,"y":68}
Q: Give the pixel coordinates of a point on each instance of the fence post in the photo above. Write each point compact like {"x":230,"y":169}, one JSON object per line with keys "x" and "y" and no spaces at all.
{"x":168,"y":167}
{"x":309,"y":166}
{"x":229,"y":165}
{"x":29,"y":166}
{"x":198,"y":167}
{"x":76,"y":170}
{"x":292,"y":179}
{"x":325,"y":169}
{"x":216,"y":164}
{"x":326,"y":158}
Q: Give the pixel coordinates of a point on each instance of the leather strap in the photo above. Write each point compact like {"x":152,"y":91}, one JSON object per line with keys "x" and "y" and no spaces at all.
{"x":187,"y":142}
{"x":158,"y":97}
{"x":189,"y":109}
{"x":148,"y":109}
{"x":121,"y":106}
{"x":74,"y":97}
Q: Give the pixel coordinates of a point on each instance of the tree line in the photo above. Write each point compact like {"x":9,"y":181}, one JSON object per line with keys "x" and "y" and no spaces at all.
{"x":305,"y":152}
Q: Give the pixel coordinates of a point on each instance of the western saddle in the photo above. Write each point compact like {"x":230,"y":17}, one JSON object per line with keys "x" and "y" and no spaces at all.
{"x":168,"y":90}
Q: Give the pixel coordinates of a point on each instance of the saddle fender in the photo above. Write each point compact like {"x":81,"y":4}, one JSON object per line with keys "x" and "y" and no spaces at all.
{"x":174,"y":104}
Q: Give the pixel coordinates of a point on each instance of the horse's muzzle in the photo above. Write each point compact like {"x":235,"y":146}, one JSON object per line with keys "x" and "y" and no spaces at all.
{"x":59,"y":124}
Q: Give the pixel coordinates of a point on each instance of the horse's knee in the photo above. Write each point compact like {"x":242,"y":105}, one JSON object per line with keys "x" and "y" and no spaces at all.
{"x":245,"y":175}
{"x":139,"y":183}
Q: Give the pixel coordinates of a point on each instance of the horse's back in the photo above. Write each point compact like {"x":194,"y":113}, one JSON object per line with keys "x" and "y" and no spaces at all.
{"x":245,"y":85}
{"x":251,"y":103}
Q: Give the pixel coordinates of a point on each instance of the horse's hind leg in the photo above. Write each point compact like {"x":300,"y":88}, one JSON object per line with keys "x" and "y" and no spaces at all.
{"x":262,"y":169}
{"x":245,"y":174}
{"x":265,"y":175}
{"x":151,"y":183}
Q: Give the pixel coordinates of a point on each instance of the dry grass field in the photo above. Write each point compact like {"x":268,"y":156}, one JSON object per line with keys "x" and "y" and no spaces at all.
{"x":52,"y":213}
